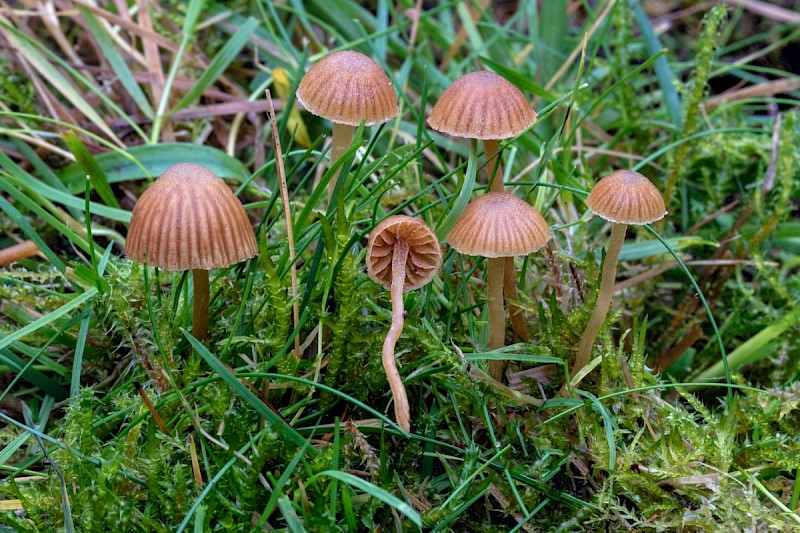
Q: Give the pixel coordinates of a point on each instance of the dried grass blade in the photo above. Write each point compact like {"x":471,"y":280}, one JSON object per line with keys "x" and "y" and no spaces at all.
{"x":287,"y":213}
{"x":25,"y":46}
{"x":189,"y":24}
{"x":220,"y":62}
{"x":117,"y":62}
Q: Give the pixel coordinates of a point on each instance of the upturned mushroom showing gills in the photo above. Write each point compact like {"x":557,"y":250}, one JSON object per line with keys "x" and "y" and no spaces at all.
{"x":402,"y":255}
{"x":347,"y":88}
{"x":188,"y":219}
{"x":497,"y":226}
{"x":623,"y":197}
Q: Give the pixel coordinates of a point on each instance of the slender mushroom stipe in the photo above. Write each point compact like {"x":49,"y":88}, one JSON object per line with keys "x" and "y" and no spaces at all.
{"x":17,"y":251}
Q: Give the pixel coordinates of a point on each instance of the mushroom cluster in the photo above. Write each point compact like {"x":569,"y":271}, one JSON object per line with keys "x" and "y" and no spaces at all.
{"x":190,"y":220}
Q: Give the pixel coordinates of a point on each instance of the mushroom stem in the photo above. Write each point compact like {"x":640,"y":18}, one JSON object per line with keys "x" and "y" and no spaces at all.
{"x":342,"y":139}
{"x":491,"y":147}
{"x":18,"y":251}
{"x":603,"y":298}
{"x":401,"y":408}
{"x":491,"y":150}
{"x":497,"y":322}
{"x":201,"y":296}
{"x":510,"y":291}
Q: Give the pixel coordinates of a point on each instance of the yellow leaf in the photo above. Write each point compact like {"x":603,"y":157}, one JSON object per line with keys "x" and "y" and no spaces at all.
{"x":295,"y":123}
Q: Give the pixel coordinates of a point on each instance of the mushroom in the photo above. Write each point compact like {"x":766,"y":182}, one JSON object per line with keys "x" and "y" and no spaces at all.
{"x":347,"y":88}
{"x":498,"y":226}
{"x":402,"y":255}
{"x":483,"y":105}
{"x":190,"y":220}
{"x":623,"y":197}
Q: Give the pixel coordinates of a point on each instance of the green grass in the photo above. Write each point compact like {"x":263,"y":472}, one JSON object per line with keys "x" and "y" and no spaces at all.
{"x":258,"y":440}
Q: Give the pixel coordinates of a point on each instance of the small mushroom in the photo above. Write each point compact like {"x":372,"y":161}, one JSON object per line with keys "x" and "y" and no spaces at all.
{"x":623,"y":197}
{"x":498,"y":226}
{"x":402,"y":255}
{"x":190,"y":220}
{"x":484,"y":105}
{"x":346,"y":88}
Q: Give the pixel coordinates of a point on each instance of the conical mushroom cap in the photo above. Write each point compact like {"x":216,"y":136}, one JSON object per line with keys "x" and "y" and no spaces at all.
{"x":189,"y":219}
{"x":482,"y":105}
{"x":424,"y":252}
{"x":626,"y":197}
{"x":348,"y":87}
{"x":499,"y":224}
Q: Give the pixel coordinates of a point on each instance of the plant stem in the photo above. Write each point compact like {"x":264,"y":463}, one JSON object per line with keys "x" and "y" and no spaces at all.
{"x":18,"y":251}
{"x":342,"y":139}
{"x":201,"y":296}
{"x":604,"y":295}
{"x":401,"y":407}
{"x":497,"y":322}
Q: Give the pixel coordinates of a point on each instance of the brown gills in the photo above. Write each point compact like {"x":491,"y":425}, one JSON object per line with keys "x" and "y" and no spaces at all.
{"x":424,"y":252}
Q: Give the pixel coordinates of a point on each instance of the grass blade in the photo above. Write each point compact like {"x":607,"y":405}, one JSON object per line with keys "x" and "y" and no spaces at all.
{"x":48,"y":318}
{"x":147,"y":161}
{"x":115,"y":59}
{"x":220,"y":63}
{"x":661,"y":66}
{"x":372,"y":490}
{"x":87,"y":162}
{"x":246,"y":394}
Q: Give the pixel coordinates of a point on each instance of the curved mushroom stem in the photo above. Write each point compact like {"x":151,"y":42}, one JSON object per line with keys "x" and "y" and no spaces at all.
{"x":201,"y":296}
{"x":342,"y":139}
{"x":603,"y":298}
{"x":18,"y":251}
{"x":491,"y":150}
{"x":402,"y":411}
{"x":497,"y":322}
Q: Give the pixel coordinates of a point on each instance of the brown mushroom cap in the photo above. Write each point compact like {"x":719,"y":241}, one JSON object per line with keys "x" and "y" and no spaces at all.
{"x":482,"y":105}
{"x":424,"y":252}
{"x":626,"y":197}
{"x":348,"y":87}
{"x":189,"y":219}
{"x":498,"y":224}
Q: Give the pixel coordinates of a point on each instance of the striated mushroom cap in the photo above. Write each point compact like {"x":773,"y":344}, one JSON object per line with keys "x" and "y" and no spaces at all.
{"x":626,"y":197}
{"x":482,"y":105}
{"x":424,"y":252}
{"x":498,"y":224}
{"x":189,"y":219}
{"x":348,"y":87}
